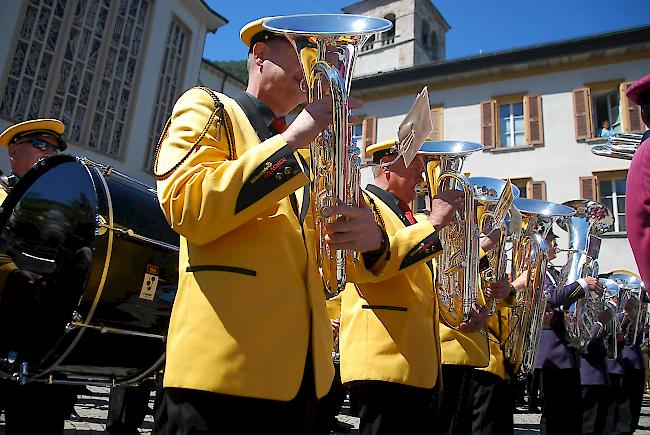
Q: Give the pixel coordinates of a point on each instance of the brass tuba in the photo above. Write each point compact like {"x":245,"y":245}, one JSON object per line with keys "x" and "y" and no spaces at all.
{"x":458,"y":264}
{"x":590,"y":220}
{"x":619,"y":146}
{"x":631,"y":286}
{"x":327,"y":46}
{"x":529,"y":255}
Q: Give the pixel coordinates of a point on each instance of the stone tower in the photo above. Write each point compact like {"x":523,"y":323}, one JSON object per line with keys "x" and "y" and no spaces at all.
{"x":417,"y":37}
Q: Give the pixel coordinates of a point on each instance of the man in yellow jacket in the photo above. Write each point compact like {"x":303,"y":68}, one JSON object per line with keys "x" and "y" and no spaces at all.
{"x":249,"y":337}
{"x":389,"y":342}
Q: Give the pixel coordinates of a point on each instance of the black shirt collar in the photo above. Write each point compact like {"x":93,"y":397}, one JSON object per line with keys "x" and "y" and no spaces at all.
{"x":390,"y":200}
{"x":264,"y":110}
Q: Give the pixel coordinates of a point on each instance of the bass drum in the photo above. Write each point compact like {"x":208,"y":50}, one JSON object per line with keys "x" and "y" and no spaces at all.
{"x":89,"y":271}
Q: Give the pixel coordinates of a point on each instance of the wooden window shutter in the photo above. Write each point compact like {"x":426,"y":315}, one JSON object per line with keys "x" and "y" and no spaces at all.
{"x":369,"y":127}
{"x":589,"y":188}
{"x":582,"y":113}
{"x":536,"y":190}
{"x":488,"y":124}
{"x":533,"y":115}
{"x":632,"y":122}
{"x":436,"y":121}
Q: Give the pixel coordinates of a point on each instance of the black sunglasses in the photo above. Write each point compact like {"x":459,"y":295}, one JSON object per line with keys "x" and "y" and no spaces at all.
{"x":40,"y":145}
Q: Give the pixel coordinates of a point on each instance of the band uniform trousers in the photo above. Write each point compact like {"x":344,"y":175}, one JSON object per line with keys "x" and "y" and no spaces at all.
{"x":561,"y":398}
{"x":493,"y":405}
{"x":594,"y":408}
{"x":391,"y":408}
{"x":617,"y":419}
{"x":633,"y":382}
{"x":184,"y":411}
{"x":454,"y":415}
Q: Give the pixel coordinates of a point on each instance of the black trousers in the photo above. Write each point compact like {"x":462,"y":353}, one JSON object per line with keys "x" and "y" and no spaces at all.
{"x":36,"y":408}
{"x":188,"y":412}
{"x":493,"y":404}
{"x":594,"y":409}
{"x":127,"y":408}
{"x":561,"y":398}
{"x":617,"y":420}
{"x":390,"y":408}
{"x":633,"y":385}
{"x":454,"y":415}
{"x":329,"y":406}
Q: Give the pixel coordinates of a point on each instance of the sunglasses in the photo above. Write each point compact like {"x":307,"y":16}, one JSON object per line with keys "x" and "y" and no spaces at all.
{"x":41,"y":145}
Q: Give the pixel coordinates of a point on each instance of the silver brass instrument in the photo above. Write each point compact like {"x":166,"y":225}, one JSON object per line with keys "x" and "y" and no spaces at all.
{"x":458,"y":263}
{"x":496,"y":197}
{"x":530,"y":257}
{"x":327,"y":47}
{"x":591,"y":220}
{"x":619,"y":146}
{"x":611,"y":299}
{"x":631,"y":288}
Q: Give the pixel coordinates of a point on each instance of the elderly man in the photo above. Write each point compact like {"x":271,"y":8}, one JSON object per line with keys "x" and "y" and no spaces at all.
{"x":249,"y":338}
{"x":32,"y":408}
{"x":389,"y":344}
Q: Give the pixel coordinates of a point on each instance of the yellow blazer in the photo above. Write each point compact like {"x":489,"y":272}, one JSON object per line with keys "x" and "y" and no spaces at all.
{"x":498,"y":332}
{"x":250,"y":298}
{"x":389,"y":324}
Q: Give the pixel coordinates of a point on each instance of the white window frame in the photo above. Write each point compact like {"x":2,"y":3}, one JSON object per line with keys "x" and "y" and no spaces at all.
{"x":613,"y":201}
{"x":511,"y":134}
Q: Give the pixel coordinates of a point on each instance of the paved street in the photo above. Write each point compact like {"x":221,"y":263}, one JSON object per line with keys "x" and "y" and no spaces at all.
{"x":92,"y":407}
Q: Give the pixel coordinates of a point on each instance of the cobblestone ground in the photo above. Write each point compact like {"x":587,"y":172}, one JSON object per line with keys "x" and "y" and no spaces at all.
{"x":92,"y":406}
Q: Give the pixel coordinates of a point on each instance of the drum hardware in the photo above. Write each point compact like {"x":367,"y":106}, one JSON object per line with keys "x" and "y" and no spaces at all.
{"x":109,"y":170}
{"x":102,"y":227}
{"x":106,"y":329}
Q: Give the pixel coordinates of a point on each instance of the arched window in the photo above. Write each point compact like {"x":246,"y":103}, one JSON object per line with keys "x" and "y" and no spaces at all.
{"x":424,"y":35}
{"x":388,"y":37}
{"x":370,"y":42}
{"x":434,"y":45}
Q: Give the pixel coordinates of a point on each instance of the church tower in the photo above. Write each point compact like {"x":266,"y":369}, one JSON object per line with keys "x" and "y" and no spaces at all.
{"x":417,"y":37}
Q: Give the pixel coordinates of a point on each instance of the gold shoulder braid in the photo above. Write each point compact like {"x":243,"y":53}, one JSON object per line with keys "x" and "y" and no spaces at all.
{"x":218,"y":115}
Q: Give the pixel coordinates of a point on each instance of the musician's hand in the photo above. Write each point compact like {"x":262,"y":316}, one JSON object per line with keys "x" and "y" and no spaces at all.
{"x":336,"y":325}
{"x":25,"y":285}
{"x":605,"y":316}
{"x":594,"y":285}
{"x":312,"y":120}
{"x":478,"y":318}
{"x":443,"y":206}
{"x":631,"y":305}
{"x":620,"y":336}
{"x":521,"y":281}
{"x":355,"y":229}
{"x":490,"y":240}
{"x":498,"y":290}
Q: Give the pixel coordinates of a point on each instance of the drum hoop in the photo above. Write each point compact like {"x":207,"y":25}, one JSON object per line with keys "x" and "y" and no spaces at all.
{"x":102,"y":281}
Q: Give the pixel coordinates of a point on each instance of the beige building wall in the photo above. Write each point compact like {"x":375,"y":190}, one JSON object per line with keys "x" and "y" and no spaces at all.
{"x":559,"y":162}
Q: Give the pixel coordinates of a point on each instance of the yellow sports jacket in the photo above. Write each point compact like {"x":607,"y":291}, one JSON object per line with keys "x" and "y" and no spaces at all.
{"x":389,"y":324}
{"x":250,"y":299}
{"x":498,"y":332}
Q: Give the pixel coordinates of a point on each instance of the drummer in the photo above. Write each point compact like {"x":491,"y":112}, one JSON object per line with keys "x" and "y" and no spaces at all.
{"x":28,"y":142}
{"x":35,"y":407}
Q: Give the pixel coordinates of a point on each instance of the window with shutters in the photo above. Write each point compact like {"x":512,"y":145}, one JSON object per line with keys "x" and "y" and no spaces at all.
{"x":364,"y":130}
{"x":76,"y":60}
{"x":529,"y":188}
{"x":601,"y":109}
{"x":608,"y":188}
{"x":168,"y":86}
{"x":512,"y":121}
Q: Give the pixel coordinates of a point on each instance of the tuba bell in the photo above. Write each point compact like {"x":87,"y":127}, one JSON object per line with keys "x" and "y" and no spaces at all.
{"x":590,"y":220}
{"x":620,"y":146}
{"x":529,"y":255}
{"x":327,"y":46}
{"x":457,"y":271}
{"x":631,"y":287}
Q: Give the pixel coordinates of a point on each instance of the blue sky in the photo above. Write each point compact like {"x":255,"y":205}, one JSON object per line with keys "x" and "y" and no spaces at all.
{"x":476,"y":25}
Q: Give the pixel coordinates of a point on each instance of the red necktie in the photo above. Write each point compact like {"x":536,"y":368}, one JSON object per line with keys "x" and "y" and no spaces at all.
{"x":407,"y":212}
{"x":278,"y":125}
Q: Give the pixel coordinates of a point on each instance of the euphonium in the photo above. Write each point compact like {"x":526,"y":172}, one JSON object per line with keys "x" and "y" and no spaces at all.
{"x":458,"y":263}
{"x":631,"y":287}
{"x":611,"y":299}
{"x":619,"y":146}
{"x":494,"y":197}
{"x":591,"y":220}
{"x":327,"y":46}
{"x":529,"y":255}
